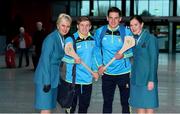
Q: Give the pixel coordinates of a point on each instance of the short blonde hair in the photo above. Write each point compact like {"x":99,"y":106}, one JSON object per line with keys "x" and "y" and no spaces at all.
{"x":63,"y":16}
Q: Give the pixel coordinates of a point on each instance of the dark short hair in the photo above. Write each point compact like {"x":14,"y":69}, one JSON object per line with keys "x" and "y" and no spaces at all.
{"x":83,"y":18}
{"x":115,"y":9}
{"x":138,"y":18}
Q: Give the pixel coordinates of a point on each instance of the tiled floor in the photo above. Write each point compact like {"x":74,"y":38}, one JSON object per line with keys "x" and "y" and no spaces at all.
{"x":17,"y":89}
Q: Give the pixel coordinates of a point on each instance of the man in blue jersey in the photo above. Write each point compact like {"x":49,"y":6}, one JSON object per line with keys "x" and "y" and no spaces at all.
{"x":109,"y":40}
{"x":84,"y":44}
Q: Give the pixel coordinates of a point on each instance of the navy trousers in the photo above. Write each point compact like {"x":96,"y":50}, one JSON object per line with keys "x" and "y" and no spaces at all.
{"x":83,"y":96}
{"x":108,"y":89}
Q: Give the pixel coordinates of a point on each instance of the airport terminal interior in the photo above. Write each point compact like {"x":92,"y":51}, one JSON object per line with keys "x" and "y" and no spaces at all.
{"x":17,"y":89}
{"x":162,"y":18}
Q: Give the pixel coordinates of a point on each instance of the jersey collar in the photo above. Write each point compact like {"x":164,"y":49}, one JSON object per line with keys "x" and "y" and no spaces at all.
{"x":114,"y":29}
{"x":83,"y":36}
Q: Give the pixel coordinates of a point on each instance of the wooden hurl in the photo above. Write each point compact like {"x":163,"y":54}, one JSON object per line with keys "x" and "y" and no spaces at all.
{"x":69,"y":50}
{"x":129,"y":42}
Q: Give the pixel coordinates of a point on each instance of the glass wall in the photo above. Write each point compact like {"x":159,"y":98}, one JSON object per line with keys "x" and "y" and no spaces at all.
{"x":161,"y":32}
{"x":75,"y":8}
{"x":178,"y":7}
{"x":127,"y":7}
{"x":85,"y":8}
{"x":141,"y":7}
{"x":151,"y":7}
{"x":101,"y":6}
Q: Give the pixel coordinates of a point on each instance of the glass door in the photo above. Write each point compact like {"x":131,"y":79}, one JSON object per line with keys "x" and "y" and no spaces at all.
{"x":162,"y":34}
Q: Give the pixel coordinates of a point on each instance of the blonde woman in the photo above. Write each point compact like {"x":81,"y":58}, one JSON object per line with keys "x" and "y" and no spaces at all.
{"x":47,"y":72}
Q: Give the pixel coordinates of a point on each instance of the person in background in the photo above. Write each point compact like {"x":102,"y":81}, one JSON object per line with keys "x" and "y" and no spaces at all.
{"x":23,"y":41}
{"x":85,"y":43}
{"x":117,"y":74}
{"x":144,"y":81}
{"x":47,"y":72}
{"x":38,"y":39}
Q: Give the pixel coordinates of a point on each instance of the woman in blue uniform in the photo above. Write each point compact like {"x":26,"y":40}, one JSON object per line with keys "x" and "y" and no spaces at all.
{"x":47,"y":72}
{"x":144,"y":82}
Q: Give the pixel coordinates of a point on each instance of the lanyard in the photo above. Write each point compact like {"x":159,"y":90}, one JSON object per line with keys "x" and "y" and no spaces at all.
{"x":62,"y":40}
{"x":137,"y":41}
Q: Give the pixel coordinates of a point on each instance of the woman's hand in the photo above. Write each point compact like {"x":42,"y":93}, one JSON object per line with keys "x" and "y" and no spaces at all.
{"x":150,"y":86}
{"x":46,"y":88}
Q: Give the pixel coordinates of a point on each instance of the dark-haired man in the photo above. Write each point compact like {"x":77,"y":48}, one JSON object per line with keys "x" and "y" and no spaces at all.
{"x":109,"y":40}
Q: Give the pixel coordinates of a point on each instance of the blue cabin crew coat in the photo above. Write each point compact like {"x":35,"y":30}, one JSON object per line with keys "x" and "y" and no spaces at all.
{"x":144,"y":68}
{"x":48,"y":69}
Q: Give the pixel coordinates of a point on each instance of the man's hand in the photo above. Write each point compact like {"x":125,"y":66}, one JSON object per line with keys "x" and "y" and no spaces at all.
{"x":101,"y":70}
{"x":46,"y":88}
{"x":150,"y":86}
{"x":118,"y":56}
{"x":95,"y":75}
{"x":77,"y":60}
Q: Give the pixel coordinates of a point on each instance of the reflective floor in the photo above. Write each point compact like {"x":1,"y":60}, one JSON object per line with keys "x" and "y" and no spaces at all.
{"x":17,"y":89}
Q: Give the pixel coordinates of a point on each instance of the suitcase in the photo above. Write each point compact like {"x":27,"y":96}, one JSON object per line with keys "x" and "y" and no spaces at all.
{"x":10,"y":56}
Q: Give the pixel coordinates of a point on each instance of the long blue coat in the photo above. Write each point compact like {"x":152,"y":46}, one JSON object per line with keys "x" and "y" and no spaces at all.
{"x":145,"y":54}
{"x":48,"y":69}
{"x":144,"y":69}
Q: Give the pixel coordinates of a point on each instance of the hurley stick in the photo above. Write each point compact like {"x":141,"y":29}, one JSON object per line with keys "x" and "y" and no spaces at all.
{"x":128,"y":43}
{"x":69,"y":50}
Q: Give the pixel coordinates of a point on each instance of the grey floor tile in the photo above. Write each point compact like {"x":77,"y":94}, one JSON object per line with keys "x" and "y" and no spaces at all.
{"x":17,"y":89}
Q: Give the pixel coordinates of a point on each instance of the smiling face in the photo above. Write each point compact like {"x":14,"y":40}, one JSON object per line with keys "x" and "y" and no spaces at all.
{"x":113,"y":18}
{"x":136,"y":26}
{"x":64,"y":26}
{"x":84,"y":27}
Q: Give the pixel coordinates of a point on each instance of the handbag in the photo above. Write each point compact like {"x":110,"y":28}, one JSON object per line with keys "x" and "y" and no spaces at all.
{"x":66,"y":91}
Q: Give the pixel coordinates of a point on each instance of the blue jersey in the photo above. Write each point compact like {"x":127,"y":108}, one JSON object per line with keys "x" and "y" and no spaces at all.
{"x":106,"y":48}
{"x":85,"y":50}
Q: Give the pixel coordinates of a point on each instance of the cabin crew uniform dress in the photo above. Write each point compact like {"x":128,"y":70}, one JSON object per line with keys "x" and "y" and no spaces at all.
{"x":48,"y":71}
{"x":144,"y":69}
